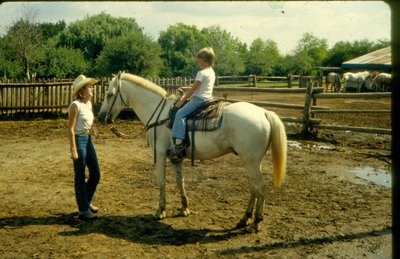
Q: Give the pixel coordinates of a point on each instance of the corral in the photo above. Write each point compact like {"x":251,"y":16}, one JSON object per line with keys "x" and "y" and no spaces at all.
{"x":323,"y":209}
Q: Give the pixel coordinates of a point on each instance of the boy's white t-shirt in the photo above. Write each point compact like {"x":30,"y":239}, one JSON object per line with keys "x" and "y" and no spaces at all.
{"x":207,"y":79}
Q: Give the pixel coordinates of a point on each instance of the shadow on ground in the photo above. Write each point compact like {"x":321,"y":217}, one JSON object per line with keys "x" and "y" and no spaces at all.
{"x":144,"y":229}
{"x":138,"y":229}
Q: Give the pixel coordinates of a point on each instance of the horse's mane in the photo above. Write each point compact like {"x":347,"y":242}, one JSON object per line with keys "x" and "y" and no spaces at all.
{"x":142,"y":82}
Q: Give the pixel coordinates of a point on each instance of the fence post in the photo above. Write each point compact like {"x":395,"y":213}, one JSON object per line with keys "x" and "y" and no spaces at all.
{"x":254,"y":81}
{"x":307,"y":108}
{"x":289,"y":78}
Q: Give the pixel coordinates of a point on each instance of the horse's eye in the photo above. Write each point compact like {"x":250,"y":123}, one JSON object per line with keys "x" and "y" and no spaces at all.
{"x":109,"y":95}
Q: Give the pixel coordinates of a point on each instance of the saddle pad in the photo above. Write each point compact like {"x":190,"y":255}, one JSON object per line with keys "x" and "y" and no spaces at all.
{"x":206,"y":118}
{"x":203,"y":124}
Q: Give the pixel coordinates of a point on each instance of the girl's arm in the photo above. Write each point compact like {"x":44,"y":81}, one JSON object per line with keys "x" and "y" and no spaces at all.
{"x":188,"y":94}
{"x":95,"y":131}
{"x":72,"y":114}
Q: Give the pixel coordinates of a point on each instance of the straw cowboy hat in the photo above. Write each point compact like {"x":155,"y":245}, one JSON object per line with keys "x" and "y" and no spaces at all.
{"x":80,"y":82}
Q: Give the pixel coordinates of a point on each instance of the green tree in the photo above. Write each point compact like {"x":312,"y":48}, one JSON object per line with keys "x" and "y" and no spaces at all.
{"x":263,"y":57}
{"x":179,"y":44}
{"x":49,"y":29}
{"x":310,"y":52}
{"x":133,"y":52}
{"x":8,"y":68}
{"x":345,"y":50}
{"x":22,"y":40}
{"x":229,"y":51}
{"x":91,"y":34}
{"x":62,"y":62}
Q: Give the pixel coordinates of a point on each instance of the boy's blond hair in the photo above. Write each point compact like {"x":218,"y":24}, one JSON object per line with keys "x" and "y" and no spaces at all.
{"x":207,"y":54}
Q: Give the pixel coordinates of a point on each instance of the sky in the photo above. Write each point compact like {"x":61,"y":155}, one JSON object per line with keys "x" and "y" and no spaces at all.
{"x":283,"y":22}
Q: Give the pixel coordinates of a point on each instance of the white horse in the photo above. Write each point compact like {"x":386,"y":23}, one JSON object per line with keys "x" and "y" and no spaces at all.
{"x":355,"y":78}
{"x":382,"y":82}
{"x":246,"y":130}
{"x":333,"y":80}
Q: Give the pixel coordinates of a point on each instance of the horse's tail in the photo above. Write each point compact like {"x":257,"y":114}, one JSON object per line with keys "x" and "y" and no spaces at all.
{"x":279,"y":147}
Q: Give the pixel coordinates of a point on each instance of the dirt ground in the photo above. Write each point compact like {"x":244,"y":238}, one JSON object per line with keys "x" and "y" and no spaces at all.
{"x":322,"y":211}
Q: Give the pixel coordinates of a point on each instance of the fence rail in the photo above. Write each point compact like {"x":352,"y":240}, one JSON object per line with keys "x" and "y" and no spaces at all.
{"x":309,"y":112}
{"x":41,"y":97}
{"x":55,"y":96}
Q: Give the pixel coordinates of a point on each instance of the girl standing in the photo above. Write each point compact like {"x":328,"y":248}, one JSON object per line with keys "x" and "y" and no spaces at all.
{"x":83,"y":154}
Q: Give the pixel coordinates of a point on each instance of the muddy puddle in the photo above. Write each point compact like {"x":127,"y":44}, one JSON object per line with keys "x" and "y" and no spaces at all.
{"x":374,"y":175}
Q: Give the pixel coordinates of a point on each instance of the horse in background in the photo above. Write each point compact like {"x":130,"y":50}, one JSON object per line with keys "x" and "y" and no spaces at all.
{"x":357,"y":80}
{"x":382,"y":82}
{"x":333,"y":80}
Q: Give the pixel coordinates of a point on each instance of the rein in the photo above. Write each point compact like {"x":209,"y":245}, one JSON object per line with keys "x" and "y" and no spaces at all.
{"x":148,"y":124}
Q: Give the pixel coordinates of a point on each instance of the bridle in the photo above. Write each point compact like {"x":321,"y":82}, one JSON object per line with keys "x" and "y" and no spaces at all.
{"x":160,"y":107}
{"x":118,"y":93}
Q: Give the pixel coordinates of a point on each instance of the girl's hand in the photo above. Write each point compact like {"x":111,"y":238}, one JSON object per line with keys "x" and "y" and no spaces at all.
{"x":74,"y":154}
{"x":95,"y":132}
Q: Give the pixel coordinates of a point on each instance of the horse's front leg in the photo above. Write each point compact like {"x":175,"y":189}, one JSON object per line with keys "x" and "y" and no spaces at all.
{"x":181,"y":186}
{"x":160,"y":171}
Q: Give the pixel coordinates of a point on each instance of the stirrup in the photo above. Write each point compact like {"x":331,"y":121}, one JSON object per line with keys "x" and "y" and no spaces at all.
{"x":176,"y":154}
{"x":176,"y":158}
{"x":179,"y":148}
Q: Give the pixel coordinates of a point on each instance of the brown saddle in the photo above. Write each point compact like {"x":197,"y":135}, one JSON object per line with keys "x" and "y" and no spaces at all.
{"x":206,"y":118}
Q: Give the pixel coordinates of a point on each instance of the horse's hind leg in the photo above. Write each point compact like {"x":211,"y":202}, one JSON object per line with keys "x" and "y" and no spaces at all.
{"x":259,"y":214}
{"x":248,"y":215}
{"x":181,"y":186}
{"x":257,"y":198}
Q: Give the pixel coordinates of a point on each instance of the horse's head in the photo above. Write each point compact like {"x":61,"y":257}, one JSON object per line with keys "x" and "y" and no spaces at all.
{"x":114,"y":101}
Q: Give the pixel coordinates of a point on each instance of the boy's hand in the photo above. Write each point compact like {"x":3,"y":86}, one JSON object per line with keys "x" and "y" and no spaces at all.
{"x":179,"y":104}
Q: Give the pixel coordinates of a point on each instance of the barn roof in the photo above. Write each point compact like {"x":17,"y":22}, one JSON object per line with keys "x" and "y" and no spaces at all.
{"x":380,"y":59}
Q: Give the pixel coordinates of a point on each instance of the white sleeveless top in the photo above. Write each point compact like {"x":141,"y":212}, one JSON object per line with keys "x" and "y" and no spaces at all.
{"x":85,"y":117}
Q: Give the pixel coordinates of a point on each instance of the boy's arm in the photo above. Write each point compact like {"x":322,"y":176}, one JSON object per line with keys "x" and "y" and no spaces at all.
{"x":188,"y":94}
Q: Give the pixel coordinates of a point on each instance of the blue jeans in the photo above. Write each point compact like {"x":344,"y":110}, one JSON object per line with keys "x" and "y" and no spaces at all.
{"x":179,"y":127}
{"x":84,"y":191}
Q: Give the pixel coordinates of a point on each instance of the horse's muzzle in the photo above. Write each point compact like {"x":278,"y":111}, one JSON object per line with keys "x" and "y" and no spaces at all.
{"x":105,"y":118}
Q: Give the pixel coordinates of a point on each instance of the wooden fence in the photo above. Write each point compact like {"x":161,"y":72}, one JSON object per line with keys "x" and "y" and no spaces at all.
{"x":254,"y":80}
{"x":308,"y":113}
{"x":310,"y":108}
{"x":47,"y":96}
{"x":56,"y":96}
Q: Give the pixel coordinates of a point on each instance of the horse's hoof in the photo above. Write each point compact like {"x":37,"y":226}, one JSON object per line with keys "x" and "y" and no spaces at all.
{"x":254,"y":227}
{"x":243,"y":223}
{"x":184,"y":212}
{"x":159,"y":215}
